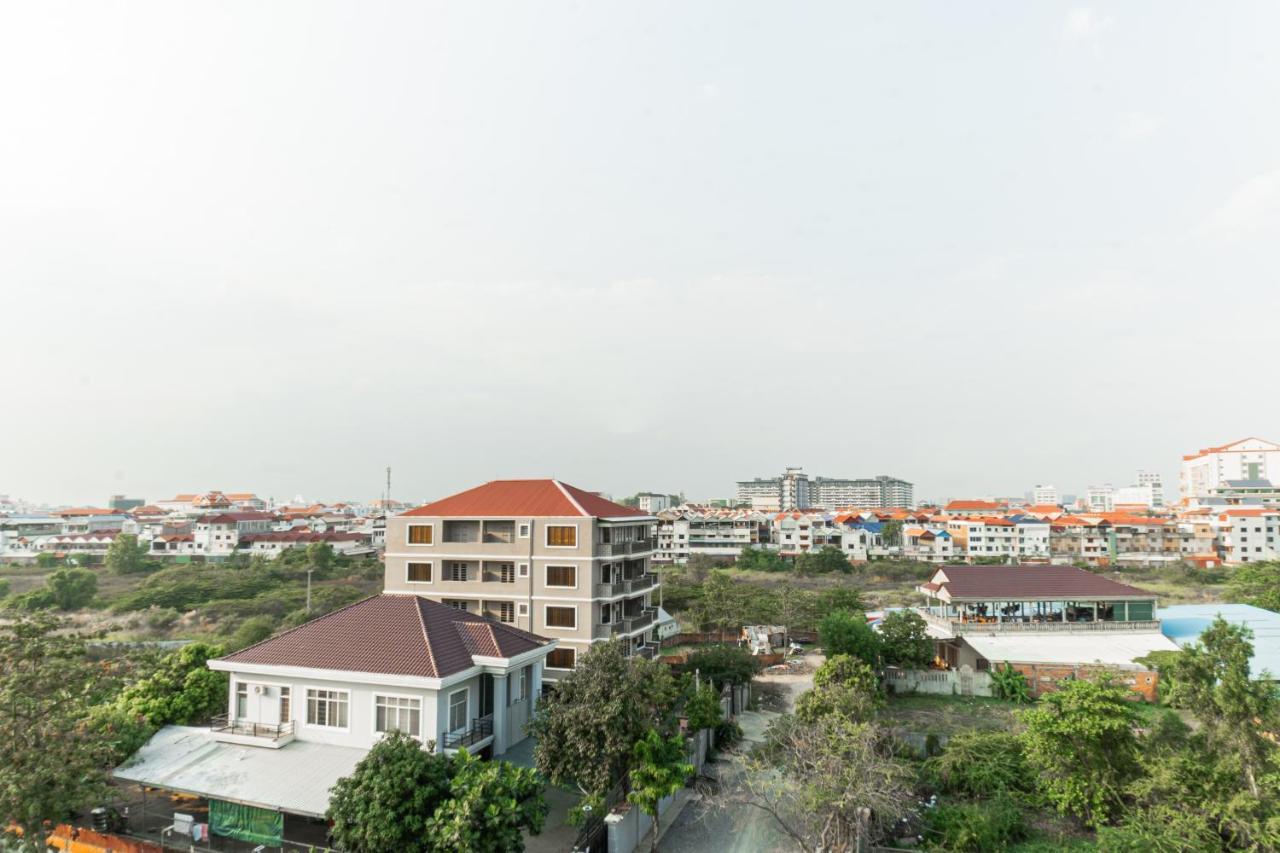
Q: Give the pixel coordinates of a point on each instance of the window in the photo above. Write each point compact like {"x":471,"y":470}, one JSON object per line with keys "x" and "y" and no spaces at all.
{"x":517,"y":686}
{"x":562,"y":617}
{"x":503,"y":611}
{"x":456,"y":604}
{"x":418,"y":573}
{"x":458,"y":710}
{"x":457,"y":572}
{"x":524,"y":531}
{"x":524,"y":570}
{"x":562,"y":576}
{"x":561,"y":659}
{"x":523,"y":609}
{"x":327,"y":708}
{"x":286,"y":704}
{"x":397,"y":714}
{"x":506,"y":573}
{"x":421,"y":534}
{"x":562,"y":536}
{"x":242,"y":700}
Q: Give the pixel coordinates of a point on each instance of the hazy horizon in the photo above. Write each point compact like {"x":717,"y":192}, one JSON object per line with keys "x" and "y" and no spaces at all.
{"x":650,"y":246}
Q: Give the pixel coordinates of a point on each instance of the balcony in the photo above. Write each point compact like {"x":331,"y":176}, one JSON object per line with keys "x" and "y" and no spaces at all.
{"x":627,"y":586}
{"x":248,"y":733}
{"x":959,"y":628}
{"x":480,"y":728}
{"x":647,"y":650}
{"x":622,"y":549}
{"x":608,"y":630}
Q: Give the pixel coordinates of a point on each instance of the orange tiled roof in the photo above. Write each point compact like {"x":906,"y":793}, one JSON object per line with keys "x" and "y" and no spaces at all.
{"x":535,"y":498}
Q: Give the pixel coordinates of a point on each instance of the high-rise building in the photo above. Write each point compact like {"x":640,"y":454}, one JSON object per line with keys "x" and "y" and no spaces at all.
{"x":1045,"y":496}
{"x":1153,"y":480}
{"x":1100,"y":498}
{"x":1251,"y":459}
{"x":794,"y":490}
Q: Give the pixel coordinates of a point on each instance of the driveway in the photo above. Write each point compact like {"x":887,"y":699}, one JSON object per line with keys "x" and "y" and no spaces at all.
{"x":709,"y":825}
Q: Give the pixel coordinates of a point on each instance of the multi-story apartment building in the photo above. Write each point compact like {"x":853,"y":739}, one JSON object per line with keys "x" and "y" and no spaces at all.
{"x":1131,"y":497}
{"x":720,"y":533}
{"x":1156,"y":483}
{"x":541,"y":555}
{"x":927,"y":544}
{"x":794,"y":490}
{"x":653,"y":502}
{"x":880,"y":492}
{"x":218,"y":535}
{"x":1045,"y":496}
{"x":1249,"y":535}
{"x":1212,"y":467}
{"x":1100,"y":498}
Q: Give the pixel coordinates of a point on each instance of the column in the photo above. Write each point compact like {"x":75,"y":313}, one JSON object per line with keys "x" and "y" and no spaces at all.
{"x":499,"y":714}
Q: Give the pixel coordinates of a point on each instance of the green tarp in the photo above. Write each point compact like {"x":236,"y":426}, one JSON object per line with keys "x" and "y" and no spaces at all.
{"x":246,"y":823}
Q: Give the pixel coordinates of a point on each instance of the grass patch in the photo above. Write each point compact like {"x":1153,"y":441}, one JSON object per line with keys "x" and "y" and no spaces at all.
{"x":949,"y":714}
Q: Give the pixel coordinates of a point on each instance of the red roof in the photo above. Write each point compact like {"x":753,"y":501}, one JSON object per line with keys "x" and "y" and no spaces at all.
{"x":974,"y":505}
{"x":530,"y":498}
{"x":1028,"y":582}
{"x":393,"y":635}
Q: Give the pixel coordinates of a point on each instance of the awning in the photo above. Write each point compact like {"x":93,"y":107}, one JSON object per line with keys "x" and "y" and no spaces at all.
{"x":295,"y":778}
{"x":1113,"y":648}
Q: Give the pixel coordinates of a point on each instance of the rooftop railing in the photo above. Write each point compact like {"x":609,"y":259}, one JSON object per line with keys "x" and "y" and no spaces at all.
{"x":224,"y":724}
{"x":1013,"y":625}
{"x":480,"y":728}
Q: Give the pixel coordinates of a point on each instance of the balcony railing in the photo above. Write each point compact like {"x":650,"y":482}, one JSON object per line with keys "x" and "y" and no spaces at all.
{"x":621,"y":549}
{"x":608,"y":630}
{"x":647,"y":650}
{"x":224,"y":724}
{"x":480,"y":728}
{"x":626,"y":586}
{"x":958,"y":628}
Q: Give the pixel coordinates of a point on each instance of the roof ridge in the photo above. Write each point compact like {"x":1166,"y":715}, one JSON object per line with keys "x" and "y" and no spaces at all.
{"x":559,"y":485}
{"x":426,"y":638}
{"x":303,"y":625}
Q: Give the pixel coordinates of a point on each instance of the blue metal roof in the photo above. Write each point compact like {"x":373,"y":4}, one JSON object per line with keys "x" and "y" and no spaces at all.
{"x":1184,"y":623}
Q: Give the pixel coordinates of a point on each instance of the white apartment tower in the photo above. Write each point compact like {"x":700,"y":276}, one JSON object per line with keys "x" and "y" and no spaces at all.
{"x":1046,"y":496}
{"x":1212,"y":467}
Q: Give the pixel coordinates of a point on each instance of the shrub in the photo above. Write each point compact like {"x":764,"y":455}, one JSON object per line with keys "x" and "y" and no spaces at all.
{"x":723,"y":665}
{"x":845,"y":633}
{"x":703,"y":708}
{"x":980,"y":764}
{"x":253,"y":630}
{"x":159,"y":618}
{"x":182,"y":690}
{"x":1009,"y":684}
{"x":727,"y":734}
{"x":1160,"y":830}
{"x":993,"y":825}
{"x":905,"y":641}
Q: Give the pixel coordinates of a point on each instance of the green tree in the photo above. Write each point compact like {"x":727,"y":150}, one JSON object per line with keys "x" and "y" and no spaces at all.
{"x":905,"y":641}
{"x":126,"y":555}
{"x":844,"y":686}
{"x":1257,"y":584}
{"x":587,"y":728}
{"x":1080,"y":740}
{"x":71,"y":589}
{"x":840,"y":598}
{"x":253,"y":630}
{"x":703,"y":708}
{"x":51,"y":762}
{"x":723,"y":665}
{"x":182,"y":690}
{"x":829,"y":783}
{"x":1009,"y":684}
{"x":823,"y":561}
{"x":320,"y":556}
{"x":406,"y":798}
{"x":761,"y":560}
{"x":1211,"y":679}
{"x":891,"y":534}
{"x":980,"y":765}
{"x":843,"y":633}
{"x":46,"y":559}
{"x":659,"y":768}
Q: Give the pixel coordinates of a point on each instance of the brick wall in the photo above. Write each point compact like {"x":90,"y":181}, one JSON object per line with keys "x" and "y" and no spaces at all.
{"x":1044,"y":678}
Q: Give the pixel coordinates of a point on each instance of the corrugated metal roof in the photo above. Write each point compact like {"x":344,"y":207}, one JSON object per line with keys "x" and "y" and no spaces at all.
{"x":295,"y":778}
{"x":1114,"y":648}
{"x":1184,"y":623}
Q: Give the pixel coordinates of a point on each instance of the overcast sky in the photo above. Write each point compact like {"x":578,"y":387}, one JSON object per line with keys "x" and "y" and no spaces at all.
{"x":662,"y":246}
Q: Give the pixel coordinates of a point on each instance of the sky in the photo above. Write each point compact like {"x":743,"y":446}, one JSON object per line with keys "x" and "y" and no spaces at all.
{"x":277,"y":247}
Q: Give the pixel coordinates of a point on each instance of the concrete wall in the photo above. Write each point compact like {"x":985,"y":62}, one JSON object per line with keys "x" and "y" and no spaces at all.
{"x":951,"y":682}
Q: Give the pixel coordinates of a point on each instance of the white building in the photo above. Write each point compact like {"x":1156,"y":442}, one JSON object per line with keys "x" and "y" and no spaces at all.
{"x":1249,"y":535}
{"x":1046,"y":496}
{"x":1153,"y":479}
{"x":1134,"y":496}
{"x":722,"y":533}
{"x":880,"y":492}
{"x":1100,"y":498}
{"x":1211,"y":467}
{"x":652,"y":502}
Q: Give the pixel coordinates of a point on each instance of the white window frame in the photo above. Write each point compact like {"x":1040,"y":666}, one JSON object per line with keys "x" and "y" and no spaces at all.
{"x":306,"y":713}
{"x":466,"y":717}
{"x":408,"y":540}
{"x":522,"y":570}
{"x":376,"y":696}
{"x":450,"y":566}
{"x":550,"y":627}
{"x":546,"y":537}
{"x":546,"y":575}
{"x":235,"y":700}
{"x":524,"y":530}
{"x":522,"y":609}
{"x":430,"y":563}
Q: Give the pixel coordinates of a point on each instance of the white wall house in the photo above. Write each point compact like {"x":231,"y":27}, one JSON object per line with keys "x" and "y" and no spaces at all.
{"x":394,"y":661}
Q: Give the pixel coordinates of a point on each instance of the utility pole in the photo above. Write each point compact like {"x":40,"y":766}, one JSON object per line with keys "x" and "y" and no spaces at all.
{"x":309,"y":571}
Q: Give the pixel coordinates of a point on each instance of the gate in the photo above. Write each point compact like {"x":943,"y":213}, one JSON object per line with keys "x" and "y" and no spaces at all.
{"x":593,"y":837}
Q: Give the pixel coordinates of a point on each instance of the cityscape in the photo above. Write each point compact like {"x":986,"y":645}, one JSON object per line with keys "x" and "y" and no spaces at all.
{"x":561,"y":427}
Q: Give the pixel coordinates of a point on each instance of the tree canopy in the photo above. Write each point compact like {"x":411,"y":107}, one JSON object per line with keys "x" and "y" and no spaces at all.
{"x":126,"y":555}
{"x":659,"y":768}
{"x":407,"y":798}
{"x":723,"y":665}
{"x":587,"y":728}
{"x":823,"y":561}
{"x":905,"y":641}
{"x":843,"y":633}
